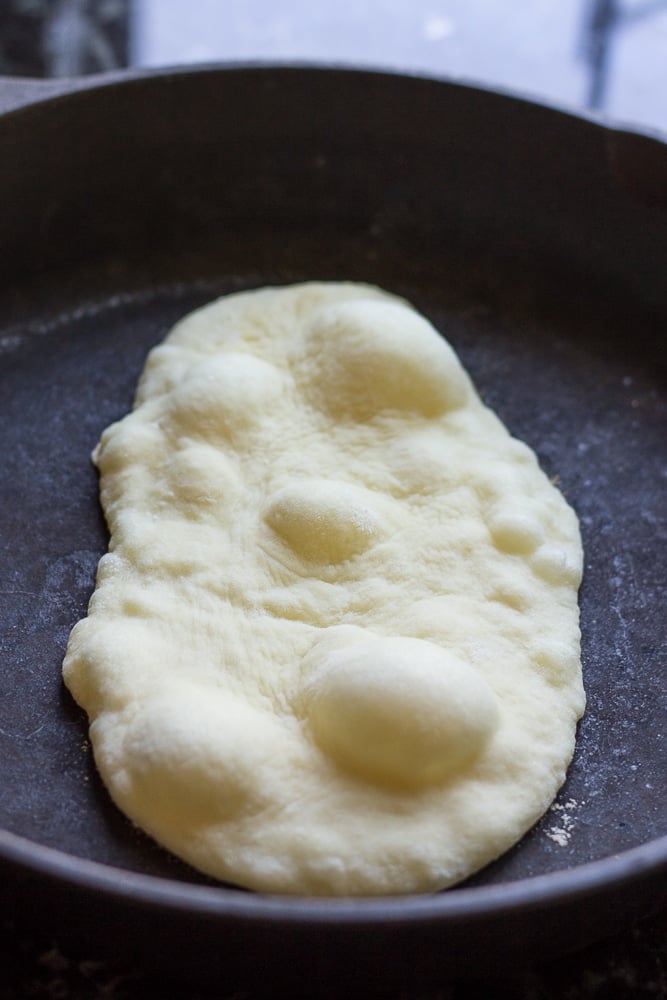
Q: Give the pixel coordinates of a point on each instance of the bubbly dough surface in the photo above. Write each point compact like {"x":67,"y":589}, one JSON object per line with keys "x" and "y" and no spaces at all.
{"x":334,"y":645}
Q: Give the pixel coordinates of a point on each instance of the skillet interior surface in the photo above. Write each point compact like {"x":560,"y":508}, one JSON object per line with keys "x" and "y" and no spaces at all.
{"x":589,"y":405}
{"x":560,"y":323}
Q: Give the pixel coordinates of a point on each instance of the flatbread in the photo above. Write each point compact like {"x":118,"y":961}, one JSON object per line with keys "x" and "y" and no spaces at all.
{"x":334,"y":646}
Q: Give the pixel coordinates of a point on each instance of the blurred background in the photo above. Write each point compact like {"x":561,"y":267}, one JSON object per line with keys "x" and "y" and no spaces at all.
{"x":608,"y":56}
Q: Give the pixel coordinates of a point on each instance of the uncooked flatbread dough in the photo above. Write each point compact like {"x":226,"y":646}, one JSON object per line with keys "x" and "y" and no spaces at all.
{"x":334,"y":645}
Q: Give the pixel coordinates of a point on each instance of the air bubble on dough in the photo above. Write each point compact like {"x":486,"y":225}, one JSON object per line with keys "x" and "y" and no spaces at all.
{"x":166,"y":366}
{"x":103,"y":650}
{"x":558,"y":565}
{"x":202,"y":477}
{"x":370,"y":356}
{"x":325,"y":520}
{"x":515,"y":530}
{"x":397,"y":710}
{"x":125,"y":443}
{"x":220,"y":395}
{"x":558,"y":660}
{"x":189,"y":740}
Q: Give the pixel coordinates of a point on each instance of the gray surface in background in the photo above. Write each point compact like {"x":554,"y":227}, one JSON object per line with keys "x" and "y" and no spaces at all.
{"x":606,"y":55}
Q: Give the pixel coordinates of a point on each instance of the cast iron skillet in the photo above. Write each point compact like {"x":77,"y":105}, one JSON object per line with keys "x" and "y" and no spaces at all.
{"x":537,"y":241}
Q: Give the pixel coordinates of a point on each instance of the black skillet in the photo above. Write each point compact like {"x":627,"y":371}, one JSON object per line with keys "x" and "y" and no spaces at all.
{"x":537,"y":242}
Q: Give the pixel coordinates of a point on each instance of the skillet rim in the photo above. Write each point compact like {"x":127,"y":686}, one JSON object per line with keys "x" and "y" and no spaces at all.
{"x":19,"y":94}
{"x":564,"y":886}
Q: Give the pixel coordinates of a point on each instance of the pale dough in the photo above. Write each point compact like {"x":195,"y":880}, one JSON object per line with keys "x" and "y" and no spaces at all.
{"x":334,"y":645}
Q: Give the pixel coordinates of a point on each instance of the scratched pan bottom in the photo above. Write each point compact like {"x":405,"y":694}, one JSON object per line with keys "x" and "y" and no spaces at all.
{"x":571,"y":370}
